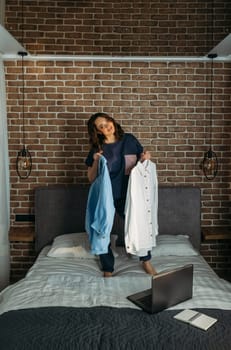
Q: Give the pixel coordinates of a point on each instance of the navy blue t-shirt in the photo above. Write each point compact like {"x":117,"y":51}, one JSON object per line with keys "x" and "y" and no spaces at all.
{"x":121,"y":157}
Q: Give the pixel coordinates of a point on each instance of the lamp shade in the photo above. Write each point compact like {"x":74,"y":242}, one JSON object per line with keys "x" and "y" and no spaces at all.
{"x":24,"y":163}
{"x":210,"y":164}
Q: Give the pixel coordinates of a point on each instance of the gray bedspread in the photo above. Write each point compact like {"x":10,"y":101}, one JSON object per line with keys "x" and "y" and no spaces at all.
{"x":106,"y":328}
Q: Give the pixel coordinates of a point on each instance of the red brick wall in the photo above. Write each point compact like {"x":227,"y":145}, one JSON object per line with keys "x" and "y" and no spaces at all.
{"x":165,"y":104}
{"x":218,"y":254}
{"x":22,"y":258}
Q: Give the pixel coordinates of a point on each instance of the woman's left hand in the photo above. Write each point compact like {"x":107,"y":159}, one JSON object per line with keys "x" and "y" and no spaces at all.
{"x":146,"y":155}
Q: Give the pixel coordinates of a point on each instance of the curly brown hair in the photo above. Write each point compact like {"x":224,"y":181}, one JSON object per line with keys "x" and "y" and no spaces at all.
{"x":95,"y":138}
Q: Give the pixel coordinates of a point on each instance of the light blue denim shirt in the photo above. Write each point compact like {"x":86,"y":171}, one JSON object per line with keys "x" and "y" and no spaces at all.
{"x":100,"y":210}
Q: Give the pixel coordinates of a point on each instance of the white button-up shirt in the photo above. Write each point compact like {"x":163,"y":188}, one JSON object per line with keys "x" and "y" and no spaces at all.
{"x":141,"y":209}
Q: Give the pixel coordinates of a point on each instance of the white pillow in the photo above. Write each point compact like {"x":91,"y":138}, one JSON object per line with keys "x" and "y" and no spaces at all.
{"x":178,"y":245}
{"x":75,"y":245}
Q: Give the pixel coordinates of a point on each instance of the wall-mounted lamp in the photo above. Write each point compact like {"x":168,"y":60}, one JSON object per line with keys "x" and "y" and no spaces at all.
{"x":210,"y":162}
{"x":24,"y":160}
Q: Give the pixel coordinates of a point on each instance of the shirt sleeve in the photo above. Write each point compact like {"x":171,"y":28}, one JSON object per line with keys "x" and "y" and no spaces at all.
{"x":132,"y":145}
{"x":89,"y":160}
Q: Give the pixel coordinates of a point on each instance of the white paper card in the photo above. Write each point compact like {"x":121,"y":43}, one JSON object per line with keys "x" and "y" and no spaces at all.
{"x":196,"y":319}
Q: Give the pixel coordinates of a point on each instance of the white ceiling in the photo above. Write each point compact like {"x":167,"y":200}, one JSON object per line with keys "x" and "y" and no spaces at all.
{"x":8,"y":44}
{"x":223,"y":49}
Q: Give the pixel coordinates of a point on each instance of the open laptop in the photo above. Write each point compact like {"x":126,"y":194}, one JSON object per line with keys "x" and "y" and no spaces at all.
{"x":168,"y":288}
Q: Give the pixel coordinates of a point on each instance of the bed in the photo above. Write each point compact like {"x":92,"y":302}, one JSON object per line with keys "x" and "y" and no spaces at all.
{"x":65,"y":303}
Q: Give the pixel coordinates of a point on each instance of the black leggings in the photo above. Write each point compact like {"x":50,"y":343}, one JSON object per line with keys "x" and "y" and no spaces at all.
{"x":107,"y":260}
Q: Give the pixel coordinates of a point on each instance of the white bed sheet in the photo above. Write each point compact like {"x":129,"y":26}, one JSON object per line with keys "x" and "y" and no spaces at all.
{"x":79,"y":283}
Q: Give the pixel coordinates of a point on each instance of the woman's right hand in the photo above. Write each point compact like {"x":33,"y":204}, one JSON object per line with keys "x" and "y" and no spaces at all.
{"x":92,"y":171}
{"x":97,"y":155}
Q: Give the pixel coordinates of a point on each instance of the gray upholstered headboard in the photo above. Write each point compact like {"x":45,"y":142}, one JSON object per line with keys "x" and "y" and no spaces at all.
{"x":61,"y":209}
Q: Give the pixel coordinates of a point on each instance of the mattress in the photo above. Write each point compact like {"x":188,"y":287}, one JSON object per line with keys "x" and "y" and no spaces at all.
{"x":78,"y":282}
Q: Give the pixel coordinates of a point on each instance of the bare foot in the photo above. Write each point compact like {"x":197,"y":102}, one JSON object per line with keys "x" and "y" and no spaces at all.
{"x":107,"y":274}
{"x":148,"y":268}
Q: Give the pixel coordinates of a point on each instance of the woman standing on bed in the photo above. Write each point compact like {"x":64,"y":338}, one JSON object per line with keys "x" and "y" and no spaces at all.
{"x":122,"y":151}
